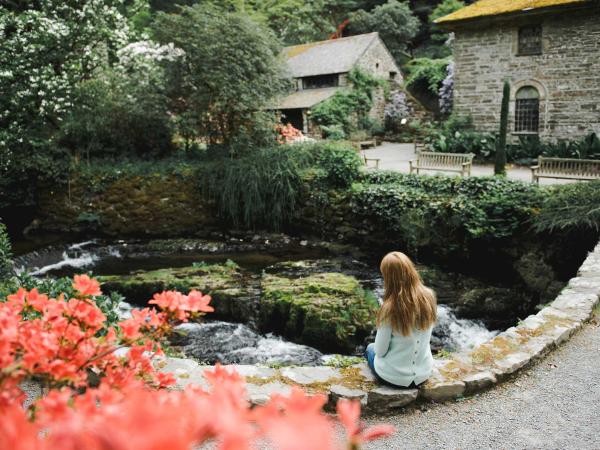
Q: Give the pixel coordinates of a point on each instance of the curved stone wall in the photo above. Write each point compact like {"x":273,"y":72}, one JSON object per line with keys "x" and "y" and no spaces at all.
{"x":461,"y":374}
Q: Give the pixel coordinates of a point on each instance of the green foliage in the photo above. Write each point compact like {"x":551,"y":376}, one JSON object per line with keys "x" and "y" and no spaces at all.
{"x":500,"y":163}
{"x":293,"y":21}
{"x":530,"y":147}
{"x":457,"y":211}
{"x":6,"y":266}
{"x":259,"y":189}
{"x":343,"y":362}
{"x":457,"y":135}
{"x":341,"y":165}
{"x":394,"y":21}
{"x":346,"y":108}
{"x":111,"y":117}
{"x":427,"y":72}
{"x":334,"y":132}
{"x":53,"y":287}
{"x":229,"y":71}
{"x":573,"y":206}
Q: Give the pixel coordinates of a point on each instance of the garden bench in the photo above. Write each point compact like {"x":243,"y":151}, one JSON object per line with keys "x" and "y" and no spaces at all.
{"x":367,"y":144}
{"x":566,"y":169}
{"x":367,"y":160}
{"x":448,"y":162}
{"x":419,"y":147}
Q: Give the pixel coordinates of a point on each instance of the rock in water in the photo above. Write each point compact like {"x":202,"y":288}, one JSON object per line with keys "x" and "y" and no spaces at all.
{"x":231,"y":343}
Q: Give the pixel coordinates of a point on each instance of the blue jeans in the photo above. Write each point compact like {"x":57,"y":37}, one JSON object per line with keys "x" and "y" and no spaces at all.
{"x":370,"y":357}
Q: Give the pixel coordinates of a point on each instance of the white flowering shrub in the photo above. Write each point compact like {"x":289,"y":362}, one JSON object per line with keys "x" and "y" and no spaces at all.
{"x":46,"y":49}
{"x":144,"y":58}
{"x":447,"y":90}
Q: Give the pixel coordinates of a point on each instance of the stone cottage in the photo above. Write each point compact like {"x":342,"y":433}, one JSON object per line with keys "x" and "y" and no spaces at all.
{"x":320,"y":69}
{"x":550,"y":52}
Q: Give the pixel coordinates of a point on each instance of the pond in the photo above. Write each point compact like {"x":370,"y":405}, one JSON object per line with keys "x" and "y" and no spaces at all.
{"x":278,"y":300}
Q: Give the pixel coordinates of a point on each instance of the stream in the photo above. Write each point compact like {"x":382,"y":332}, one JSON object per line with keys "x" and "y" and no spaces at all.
{"x":228,"y":342}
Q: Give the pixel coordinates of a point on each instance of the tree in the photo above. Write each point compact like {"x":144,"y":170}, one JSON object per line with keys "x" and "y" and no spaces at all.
{"x":47,"y":49}
{"x":441,"y":10}
{"x":229,"y":71}
{"x":500,"y":165}
{"x":393,"y":20}
{"x":123,"y":111}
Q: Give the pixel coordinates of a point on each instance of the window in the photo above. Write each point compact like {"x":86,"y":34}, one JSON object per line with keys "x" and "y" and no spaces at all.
{"x":320,"y":81}
{"x":527,"y":110}
{"x":530,"y":40}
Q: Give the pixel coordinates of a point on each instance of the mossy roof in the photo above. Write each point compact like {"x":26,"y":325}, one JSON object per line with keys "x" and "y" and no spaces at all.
{"x":487,"y":8}
{"x":327,"y":57}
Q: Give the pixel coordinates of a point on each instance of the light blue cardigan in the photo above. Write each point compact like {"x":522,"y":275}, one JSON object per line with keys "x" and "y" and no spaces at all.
{"x":402,"y":360}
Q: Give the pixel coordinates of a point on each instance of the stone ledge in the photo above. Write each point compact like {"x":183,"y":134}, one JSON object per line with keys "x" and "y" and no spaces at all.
{"x":463,"y":373}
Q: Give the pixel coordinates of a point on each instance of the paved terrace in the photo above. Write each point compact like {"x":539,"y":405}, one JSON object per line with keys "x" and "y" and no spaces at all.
{"x":396,"y":157}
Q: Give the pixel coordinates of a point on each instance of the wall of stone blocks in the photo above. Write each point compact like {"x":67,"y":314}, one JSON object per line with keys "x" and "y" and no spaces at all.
{"x":567,"y":73}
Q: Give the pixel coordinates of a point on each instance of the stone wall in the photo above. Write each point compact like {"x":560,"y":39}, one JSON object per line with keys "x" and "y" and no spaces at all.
{"x":566,"y":74}
{"x":149,"y":205}
{"x":378,"y":61}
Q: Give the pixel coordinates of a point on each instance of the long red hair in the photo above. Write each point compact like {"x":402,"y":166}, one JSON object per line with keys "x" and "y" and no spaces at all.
{"x":408,"y":304}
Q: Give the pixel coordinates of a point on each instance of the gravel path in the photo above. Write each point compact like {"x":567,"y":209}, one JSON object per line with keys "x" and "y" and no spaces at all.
{"x":553,"y":405}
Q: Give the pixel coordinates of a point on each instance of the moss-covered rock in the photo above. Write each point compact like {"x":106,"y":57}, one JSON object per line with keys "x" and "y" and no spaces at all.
{"x":233,"y":298}
{"x":329,"y":311}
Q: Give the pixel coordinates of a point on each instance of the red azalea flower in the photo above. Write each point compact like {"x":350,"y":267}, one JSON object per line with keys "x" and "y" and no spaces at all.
{"x":86,"y":286}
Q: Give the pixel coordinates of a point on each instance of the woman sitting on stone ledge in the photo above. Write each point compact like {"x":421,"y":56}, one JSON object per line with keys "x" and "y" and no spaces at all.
{"x":401,"y":355}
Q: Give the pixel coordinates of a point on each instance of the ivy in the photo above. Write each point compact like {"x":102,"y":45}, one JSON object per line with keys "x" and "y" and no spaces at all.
{"x":347,"y":107}
{"x":431,"y":72}
{"x":429,"y":210}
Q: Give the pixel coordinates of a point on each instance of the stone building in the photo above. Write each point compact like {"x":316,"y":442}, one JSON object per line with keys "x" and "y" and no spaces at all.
{"x":320,"y":69}
{"x":550,"y":52}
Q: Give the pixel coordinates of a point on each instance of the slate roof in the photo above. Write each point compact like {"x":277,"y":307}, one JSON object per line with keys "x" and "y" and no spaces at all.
{"x":306,"y":98}
{"x":487,"y":8}
{"x":327,"y":57}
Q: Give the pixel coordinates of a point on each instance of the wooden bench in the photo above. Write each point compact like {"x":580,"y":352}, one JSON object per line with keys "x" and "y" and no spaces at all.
{"x":566,"y":169}
{"x":368,"y":160}
{"x":367,"y":144}
{"x":447,"y":162}
{"x":419,"y":147}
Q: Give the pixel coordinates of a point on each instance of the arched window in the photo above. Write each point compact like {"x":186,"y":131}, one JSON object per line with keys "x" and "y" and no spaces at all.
{"x":527,"y":110}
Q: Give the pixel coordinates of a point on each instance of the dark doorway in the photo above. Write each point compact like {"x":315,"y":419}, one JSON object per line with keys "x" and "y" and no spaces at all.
{"x":293,"y":116}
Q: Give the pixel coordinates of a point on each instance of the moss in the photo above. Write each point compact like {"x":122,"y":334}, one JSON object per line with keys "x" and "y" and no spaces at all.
{"x":351,"y":377}
{"x":153,"y":205}
{"x":329,"y":311}
{"x":455,"y":369}
{"x":496,"y":349}
{"x":224,"y":282}
{"x":486,"y":8}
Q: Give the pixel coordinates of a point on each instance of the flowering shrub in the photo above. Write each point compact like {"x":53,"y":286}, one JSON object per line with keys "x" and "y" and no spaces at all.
{"x":100,"y":399}
{"x":397,"y":112}
{"x":287,"y":134}
{"x":447,"y":90}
